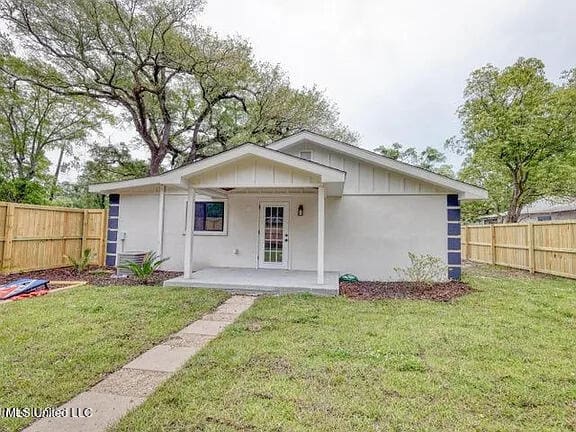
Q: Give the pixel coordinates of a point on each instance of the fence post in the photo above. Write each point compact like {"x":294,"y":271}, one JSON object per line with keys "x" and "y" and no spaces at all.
{"x":531,"y":257}
{"x":468,"y":246}
{"x":84,"y":232}
{"x":493,"y":243}
{"x":103,"y":236}
{"x":8,"y":238}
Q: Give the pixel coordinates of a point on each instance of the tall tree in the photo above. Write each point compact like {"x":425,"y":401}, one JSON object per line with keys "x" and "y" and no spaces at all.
{"x":34,"y":121}
{"x":186,"y":91}
{"x":112,"y":162}
{"x":430,"y":158}
{"x":518,"y":128}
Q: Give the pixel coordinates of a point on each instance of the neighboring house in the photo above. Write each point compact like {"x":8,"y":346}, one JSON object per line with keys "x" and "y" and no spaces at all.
{"x":305,"y":202}
{"x":544,"y":209}
{"x":547,"y":209}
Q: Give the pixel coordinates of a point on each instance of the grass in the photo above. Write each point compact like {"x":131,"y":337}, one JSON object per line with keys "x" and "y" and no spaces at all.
{"x":502,"y":358}
{"x":55,"y":346}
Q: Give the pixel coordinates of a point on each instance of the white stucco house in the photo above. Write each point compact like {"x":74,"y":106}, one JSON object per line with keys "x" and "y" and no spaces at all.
{"x":305,"y":205}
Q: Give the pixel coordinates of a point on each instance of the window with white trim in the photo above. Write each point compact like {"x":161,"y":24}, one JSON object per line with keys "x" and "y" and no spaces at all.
{"x":209,"y":217}
{"x":306,"y":154}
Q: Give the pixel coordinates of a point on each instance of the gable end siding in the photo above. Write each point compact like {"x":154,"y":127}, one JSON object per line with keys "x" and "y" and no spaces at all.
{"x":363,"y":178}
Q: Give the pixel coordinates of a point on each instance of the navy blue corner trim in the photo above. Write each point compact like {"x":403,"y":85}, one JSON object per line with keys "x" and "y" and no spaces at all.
{"x":111,"y":248}
{"x":454,"y":215}
{"x":453,"y":236}
{"x":114,"y":210}
{"x":454,"y":229}
{"x":453,"y":243}
{"x":112,"y":223}
{"x":454,"y":258}
{"x":454,"y":273}
{"x":452,"y":201}
{"x":110,"y":260}
{"x":113,"y":214}
{"x":112,"y":235}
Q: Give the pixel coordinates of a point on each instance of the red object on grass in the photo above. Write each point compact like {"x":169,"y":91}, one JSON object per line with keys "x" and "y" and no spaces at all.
{"x":23,"y":288}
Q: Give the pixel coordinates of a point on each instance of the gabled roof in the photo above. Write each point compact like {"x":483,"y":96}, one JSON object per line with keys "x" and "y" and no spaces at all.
{"x":550,"y":205}
{"x":274,"y":153}
{"x":178,"y":176}
{"x":466,"y":190}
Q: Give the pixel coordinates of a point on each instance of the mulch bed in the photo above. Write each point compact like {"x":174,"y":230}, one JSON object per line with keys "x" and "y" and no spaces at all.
{"x":440,"y":291}
{"x":94,"y":276}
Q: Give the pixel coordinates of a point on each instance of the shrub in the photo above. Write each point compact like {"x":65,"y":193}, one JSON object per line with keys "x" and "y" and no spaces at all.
{"x":423,"y":268}
{"x":83,"y":262}
{"x":143,"y":271}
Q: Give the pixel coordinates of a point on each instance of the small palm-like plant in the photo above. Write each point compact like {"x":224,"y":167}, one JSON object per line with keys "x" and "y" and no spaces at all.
{"x":82,"y":263}
{"x":143,"y":271}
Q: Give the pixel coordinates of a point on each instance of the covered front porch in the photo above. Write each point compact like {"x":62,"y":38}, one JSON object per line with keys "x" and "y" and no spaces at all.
{"x":259,"y":281}
{"x":273,"y":179}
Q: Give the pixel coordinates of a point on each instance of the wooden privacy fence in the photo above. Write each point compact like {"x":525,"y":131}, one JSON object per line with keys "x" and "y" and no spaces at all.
{"x":37,"y":237}
{"x":543,"y":247}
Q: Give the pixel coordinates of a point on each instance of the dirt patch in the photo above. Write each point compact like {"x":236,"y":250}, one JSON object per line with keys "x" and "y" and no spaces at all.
{"x":440,"y":291}
{"x":94,"y":276}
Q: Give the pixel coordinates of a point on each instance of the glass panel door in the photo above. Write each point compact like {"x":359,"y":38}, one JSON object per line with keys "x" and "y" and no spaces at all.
{"x":274,"y":235}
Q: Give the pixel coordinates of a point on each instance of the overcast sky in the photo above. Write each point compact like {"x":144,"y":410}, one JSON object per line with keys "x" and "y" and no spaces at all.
{"x":397,"y":69}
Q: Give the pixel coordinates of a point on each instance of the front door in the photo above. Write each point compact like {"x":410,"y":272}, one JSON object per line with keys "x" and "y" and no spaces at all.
{"x":273,"y":235}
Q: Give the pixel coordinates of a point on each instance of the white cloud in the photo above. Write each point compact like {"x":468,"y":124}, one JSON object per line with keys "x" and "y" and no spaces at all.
{"x":397,"y":68}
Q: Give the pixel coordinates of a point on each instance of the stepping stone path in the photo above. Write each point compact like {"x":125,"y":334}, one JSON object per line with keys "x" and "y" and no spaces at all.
{"x":129,"y":387}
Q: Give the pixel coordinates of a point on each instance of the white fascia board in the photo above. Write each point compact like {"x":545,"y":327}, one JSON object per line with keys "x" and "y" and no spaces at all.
{"x":326,"y":173}
{"x":114,"y":187}
{"x":465,"y":190}
{"x":178,"y":177}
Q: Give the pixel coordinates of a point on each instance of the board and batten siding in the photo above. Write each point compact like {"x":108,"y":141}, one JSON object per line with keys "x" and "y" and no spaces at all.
{"x":364,"y":178}
{"x":251,"y":171}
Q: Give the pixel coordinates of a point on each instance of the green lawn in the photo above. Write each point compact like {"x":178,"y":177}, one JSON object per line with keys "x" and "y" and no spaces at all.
{"x":53,"y":347}
{"x":500,"y":359}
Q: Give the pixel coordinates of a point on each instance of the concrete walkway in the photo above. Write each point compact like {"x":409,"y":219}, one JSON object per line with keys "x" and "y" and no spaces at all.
{"x":129,"y":387}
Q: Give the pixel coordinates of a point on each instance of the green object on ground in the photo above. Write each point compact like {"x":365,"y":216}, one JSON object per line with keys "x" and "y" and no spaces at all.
{"x":348,"y":278}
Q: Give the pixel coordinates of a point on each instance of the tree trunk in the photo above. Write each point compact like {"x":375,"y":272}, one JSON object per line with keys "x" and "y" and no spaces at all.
{"x":156,"y":159}
{"x":57,"y":174}
{"x":515,"y":206}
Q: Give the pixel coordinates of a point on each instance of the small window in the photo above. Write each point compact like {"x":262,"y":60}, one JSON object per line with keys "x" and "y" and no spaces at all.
{"x":545,"y":218}
{"x":307,"y":154}
{"x":209,"y":216}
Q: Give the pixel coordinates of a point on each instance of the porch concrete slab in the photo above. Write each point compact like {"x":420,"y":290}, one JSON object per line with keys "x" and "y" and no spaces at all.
{"x":163,"y":358}
{"x":106,"y":409}
{"x":188,"y":340}
{"x":131,"y":382}
{"x":205,"y":327}
{"x":259,"y":281}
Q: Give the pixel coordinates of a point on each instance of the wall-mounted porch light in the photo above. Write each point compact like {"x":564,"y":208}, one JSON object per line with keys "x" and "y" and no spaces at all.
{"x":300,"y":210}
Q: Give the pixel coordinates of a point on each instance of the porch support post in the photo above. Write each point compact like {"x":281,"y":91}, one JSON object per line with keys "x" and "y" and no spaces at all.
{"x":161,"y":201}
{"x":321,"y":223}
{"x":189,"y":242}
